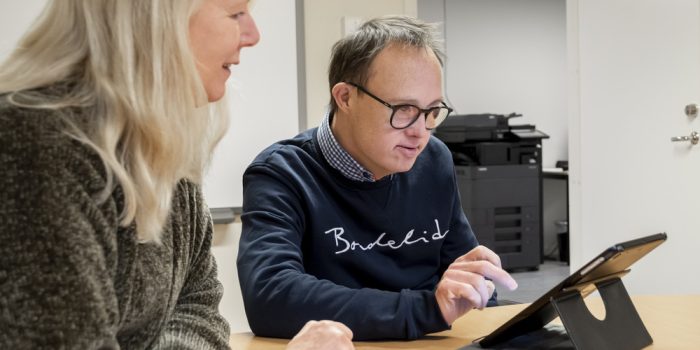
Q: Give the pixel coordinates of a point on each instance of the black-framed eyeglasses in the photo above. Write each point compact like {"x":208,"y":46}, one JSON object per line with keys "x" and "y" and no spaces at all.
{"x":404,"y":115}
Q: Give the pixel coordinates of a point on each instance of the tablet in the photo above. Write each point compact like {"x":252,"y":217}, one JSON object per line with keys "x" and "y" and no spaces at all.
{"x":613,"y":262}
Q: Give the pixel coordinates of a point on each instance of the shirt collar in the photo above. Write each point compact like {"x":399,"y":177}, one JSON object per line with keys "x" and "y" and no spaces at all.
{"x":338,"y":157}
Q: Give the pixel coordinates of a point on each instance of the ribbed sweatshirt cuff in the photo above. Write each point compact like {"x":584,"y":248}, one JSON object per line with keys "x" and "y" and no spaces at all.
{"x":424,"y":315}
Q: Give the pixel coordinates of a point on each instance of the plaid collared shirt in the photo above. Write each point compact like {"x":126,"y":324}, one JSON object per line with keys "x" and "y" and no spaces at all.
{"x":337,"y":157}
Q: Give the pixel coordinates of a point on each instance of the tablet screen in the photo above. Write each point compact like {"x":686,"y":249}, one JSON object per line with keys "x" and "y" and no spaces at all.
{"x":612,"y":262}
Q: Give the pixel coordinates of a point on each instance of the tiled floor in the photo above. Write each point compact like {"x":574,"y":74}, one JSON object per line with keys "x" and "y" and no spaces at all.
{"x":532,"y":284}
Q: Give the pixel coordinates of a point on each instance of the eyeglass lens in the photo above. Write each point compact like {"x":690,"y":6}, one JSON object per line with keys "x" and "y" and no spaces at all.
{"x":405,"y":115}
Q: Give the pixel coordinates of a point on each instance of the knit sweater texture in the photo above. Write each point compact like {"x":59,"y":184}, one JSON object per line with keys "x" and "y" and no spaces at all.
{"x":70,"y":276}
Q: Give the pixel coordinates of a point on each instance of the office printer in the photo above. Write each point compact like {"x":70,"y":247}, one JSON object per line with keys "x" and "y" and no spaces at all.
{"x":499,"y":174}
{"x":488,"y":139}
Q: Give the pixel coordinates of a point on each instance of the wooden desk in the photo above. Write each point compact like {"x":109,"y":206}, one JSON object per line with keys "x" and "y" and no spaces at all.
{"x":673,"y":322}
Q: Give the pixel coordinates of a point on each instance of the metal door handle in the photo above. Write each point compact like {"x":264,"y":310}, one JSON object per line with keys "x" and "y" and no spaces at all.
{"x":691,"y":110}
{"x":693,"y":138}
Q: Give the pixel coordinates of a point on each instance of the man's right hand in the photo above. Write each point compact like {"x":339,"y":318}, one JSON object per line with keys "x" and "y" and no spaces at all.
{"x":322,"y":335}
{"x":464,"y":285}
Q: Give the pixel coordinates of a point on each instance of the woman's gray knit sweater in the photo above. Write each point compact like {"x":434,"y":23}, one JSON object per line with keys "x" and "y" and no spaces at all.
{"x":70,"y":276}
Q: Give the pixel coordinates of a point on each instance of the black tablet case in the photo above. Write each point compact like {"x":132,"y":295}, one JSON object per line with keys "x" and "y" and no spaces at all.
{"x":565,"y":300}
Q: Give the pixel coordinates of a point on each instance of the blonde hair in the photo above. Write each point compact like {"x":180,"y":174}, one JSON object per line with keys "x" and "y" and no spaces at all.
{"x":130,"y":64}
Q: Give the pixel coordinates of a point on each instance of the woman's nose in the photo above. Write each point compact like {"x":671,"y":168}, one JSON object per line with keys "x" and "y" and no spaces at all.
{"x":249,"y":32}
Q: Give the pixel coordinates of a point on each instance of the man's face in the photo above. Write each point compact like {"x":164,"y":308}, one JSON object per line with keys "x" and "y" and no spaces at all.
{"x":398,"y":75}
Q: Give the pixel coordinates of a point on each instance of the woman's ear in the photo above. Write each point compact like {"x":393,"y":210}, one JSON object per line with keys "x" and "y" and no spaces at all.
{"x":341,"y":93}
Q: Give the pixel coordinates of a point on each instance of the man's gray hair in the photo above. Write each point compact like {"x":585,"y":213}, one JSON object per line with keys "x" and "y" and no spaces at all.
{"x":352,"y":55}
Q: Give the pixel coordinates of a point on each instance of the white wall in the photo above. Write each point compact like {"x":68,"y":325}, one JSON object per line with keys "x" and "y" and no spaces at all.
{"x":263,"y":101}
{"x":15,"y":18}
{"x":322,"y":24}
{"x":507,"y":56}
{"x":634,"y":65}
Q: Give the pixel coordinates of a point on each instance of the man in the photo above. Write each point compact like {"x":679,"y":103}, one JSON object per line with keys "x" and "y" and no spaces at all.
{"x":359,"y":220}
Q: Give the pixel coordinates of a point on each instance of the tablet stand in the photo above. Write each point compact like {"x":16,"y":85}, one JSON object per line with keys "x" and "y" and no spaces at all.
{"x":622,"y":327}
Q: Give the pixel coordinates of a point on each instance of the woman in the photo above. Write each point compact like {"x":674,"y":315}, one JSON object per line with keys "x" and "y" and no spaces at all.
{"x":105,"y":129}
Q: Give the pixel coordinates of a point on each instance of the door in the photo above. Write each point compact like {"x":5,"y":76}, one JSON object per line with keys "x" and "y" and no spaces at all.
{"x":633,"y":67}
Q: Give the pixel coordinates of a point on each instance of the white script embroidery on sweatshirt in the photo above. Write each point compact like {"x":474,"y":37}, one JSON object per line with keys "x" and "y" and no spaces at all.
{"x":408,"y":239}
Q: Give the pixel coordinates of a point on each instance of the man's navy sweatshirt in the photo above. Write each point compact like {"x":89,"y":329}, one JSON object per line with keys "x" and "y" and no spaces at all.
{"x":316,"y":245}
